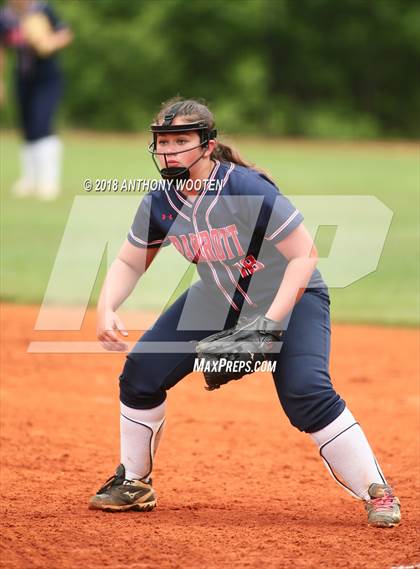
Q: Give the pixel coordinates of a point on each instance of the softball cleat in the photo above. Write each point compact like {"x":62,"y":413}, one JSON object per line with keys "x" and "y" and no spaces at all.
{"x":383,"y":507}
{"x":119,"y":494}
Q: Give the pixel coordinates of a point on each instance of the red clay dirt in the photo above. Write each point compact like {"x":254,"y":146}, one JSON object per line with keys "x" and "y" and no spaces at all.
{"x":238,"y":487}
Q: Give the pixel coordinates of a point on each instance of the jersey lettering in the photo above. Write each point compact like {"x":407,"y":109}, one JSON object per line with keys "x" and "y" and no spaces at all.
{"x":218,"y":245}
{"x":175,"y":242}
{"x":195,"y":246}
{"x":206,"y":247}
{"x":187,"y":249}
{"x":225,"y":237}
{"x":249,"y":266}
{"x":232,"y":231}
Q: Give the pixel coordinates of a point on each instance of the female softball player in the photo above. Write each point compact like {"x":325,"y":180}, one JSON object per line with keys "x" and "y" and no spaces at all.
{"x":256,"y":261}
{"x":34,"y":31}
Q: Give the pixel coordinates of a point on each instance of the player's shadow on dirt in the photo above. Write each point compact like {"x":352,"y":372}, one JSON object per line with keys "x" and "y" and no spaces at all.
{"x":235,"y":515}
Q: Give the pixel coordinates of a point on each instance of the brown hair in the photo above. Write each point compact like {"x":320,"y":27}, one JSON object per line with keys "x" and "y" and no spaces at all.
{"x":197,"y":110}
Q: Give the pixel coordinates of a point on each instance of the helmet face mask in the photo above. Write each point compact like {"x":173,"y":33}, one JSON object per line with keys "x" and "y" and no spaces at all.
{"x":179,"y":172}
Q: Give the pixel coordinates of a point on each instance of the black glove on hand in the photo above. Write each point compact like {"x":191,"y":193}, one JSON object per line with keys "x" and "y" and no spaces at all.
{"x":233,"y":353}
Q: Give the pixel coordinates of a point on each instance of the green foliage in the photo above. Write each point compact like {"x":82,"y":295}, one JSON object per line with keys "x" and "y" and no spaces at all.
{"x":317,"y":68}
{"x":330,"y":123}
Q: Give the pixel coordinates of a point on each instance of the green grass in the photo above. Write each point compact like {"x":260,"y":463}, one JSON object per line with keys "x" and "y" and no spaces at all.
{"x":32,"y":230}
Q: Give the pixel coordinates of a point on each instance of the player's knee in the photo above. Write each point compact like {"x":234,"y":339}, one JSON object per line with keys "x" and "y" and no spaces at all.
{"x":137,"y":388}
{"x":311,"y":408}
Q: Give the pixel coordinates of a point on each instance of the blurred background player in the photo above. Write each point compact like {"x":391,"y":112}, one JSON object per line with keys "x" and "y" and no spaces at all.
{"x":35,"y":32}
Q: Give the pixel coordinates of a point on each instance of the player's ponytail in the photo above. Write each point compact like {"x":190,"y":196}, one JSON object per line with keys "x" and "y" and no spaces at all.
{"x":226,"y":153}
{"x":196,"y":110}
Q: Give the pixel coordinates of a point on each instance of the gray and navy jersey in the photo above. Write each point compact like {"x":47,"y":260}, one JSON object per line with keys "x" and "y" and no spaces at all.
{"x":230,"y":231}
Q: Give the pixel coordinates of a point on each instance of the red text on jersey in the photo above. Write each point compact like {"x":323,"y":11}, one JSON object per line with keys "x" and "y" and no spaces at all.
{"x":249,"y":266}
{"x":214,"y":245}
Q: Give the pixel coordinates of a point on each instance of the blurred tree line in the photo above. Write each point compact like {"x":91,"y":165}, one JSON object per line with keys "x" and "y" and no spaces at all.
{"x":320,"y":68}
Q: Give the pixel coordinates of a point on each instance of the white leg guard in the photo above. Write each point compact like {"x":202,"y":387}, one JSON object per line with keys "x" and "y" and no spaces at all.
{"x":140,"y":431}
{"x":347,"y":455}
{"x":25,"y":186}
{"x":48,"y":152}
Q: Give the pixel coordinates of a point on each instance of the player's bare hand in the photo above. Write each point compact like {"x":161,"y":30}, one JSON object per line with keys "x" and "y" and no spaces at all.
{"x":110,"y":328}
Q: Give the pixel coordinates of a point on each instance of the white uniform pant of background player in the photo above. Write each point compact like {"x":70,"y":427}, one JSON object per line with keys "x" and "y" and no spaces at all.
{"x":40,"y":169}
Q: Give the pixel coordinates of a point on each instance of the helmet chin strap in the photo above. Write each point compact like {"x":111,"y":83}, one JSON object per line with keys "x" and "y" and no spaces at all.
{"x":177,"y":172}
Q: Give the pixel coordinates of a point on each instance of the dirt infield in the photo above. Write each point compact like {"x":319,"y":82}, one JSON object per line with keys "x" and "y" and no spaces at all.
{"x":237,"y":486}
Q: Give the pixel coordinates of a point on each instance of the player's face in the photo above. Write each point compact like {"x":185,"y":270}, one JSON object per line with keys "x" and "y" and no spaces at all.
{"x":181,"y":149}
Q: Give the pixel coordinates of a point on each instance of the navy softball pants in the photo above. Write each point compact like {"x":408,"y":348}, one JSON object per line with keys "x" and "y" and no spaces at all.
{"x":38,"y":101}
{"x":301,"y":376}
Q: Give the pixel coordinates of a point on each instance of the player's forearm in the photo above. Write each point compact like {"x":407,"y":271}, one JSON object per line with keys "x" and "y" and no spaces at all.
{"x":295,"y":280}
{"x":62,"y":38}
{"x":56,"y":41}
{"x":119,"y":283}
